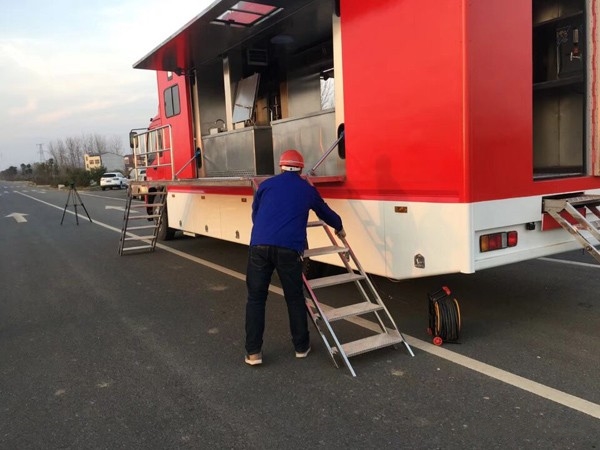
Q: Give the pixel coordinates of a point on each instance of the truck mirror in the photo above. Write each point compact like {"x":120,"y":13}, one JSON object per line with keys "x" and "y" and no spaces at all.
{"x":133,"y":138}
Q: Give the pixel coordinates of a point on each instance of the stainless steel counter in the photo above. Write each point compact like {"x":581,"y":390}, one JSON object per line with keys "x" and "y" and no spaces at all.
{"x":244,"y":152}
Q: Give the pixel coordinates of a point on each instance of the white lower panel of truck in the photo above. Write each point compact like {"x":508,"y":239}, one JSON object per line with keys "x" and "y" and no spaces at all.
{"x":395,"y":239}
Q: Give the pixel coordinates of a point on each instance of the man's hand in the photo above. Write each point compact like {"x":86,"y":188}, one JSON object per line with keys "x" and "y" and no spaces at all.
{"x":340,"y":233}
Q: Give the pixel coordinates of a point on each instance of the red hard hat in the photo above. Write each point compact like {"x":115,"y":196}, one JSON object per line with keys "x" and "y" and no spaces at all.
{"x":291,"y":158}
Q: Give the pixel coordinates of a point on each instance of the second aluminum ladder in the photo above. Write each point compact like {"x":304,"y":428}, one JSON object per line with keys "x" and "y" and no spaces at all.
{"x":155,"y":208}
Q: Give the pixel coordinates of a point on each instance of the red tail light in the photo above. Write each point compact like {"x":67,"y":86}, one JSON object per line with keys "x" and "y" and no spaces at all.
{"x":512,"y":238}
{"x":497,"y":241}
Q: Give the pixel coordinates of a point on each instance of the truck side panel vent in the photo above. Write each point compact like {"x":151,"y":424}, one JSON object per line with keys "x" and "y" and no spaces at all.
{"x":257,"y":57}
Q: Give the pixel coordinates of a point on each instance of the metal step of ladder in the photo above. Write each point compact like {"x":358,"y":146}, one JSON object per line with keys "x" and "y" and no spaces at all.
{"x":369,"y":304}
{"x":572,"y":214}
{"x":138,"y":238}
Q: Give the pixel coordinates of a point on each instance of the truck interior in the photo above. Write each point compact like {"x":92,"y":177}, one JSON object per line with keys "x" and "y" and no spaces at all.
{"x":560,"y":88}
{"x":263,"y":84}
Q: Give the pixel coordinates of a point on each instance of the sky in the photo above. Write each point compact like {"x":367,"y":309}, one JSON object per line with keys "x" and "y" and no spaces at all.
{"x":66,"y":69}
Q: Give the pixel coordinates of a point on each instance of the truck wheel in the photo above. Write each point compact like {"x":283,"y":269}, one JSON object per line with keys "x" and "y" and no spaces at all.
{"x":165,"y":233}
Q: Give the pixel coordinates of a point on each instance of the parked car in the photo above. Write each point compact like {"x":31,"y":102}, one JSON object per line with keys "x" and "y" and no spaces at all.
{"x":137,"y":175}
{"x":113,"y":180}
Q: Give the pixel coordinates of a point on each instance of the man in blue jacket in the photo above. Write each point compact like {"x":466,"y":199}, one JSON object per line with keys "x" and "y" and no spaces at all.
{"x":280,"y":215}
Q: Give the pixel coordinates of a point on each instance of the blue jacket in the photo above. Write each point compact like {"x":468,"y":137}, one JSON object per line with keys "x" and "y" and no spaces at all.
{"x":280,"y":211}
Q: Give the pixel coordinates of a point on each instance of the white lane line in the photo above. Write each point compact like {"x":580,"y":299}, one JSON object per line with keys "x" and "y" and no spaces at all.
{"x":87,"y":194}
{"x":541,"y":390}
{"x":571,"y":401}
{"x":573,"y":263}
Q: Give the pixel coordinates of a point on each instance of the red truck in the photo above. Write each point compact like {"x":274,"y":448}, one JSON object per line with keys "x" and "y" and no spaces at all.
{"x":451,"y":136}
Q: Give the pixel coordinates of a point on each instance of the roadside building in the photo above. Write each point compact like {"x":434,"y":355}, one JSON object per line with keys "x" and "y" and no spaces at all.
{"x":111,"y":161}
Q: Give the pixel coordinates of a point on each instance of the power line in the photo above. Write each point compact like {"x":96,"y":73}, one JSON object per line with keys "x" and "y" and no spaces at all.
{"x":41,"y":152}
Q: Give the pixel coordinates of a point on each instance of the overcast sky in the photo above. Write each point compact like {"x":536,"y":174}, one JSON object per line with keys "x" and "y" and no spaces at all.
{"x":66,"y":69}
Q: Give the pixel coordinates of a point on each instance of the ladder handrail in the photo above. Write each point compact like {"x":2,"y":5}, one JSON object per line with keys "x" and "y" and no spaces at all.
{"x":312,"y":171}
{"x":197,"y":154}
{"x":155,"y":138}
{"x":371,"y":287}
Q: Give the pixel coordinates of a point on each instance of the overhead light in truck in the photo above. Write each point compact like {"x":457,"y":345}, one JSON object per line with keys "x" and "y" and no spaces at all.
{"x":246,"y":14}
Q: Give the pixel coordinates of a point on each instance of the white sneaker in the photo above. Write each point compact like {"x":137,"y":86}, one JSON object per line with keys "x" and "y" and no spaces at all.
{"x":303,"y":354}
{"x":253,"y":360}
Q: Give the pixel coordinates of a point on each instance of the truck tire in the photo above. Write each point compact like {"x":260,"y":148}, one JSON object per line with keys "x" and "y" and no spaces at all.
{"x":165,"y":233}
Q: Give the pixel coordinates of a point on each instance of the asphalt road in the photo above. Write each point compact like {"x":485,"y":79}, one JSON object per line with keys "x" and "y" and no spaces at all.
{"x":145,"y":351}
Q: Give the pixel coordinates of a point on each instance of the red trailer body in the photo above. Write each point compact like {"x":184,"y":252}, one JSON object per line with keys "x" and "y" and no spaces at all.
{"x":459,"y":119}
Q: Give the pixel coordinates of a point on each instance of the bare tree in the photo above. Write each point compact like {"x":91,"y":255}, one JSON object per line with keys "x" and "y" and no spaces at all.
{"x":98,"y":145}
{"x":69,"y":153}
{"x":59,"y":152}
{"x":74,"y":148}
{"x":114,"y":145}
{"x":93,"y":144}
{"x":88,"y":144}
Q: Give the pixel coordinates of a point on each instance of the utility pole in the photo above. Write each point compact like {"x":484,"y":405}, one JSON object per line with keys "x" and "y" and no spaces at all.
{"x":41,"y":152}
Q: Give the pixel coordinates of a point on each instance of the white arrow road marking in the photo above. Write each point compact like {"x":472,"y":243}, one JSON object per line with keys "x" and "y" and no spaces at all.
{"x":19,"y":217}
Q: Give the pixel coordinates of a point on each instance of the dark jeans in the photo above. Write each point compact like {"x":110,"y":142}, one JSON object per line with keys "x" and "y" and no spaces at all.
{"x":262,"y":261}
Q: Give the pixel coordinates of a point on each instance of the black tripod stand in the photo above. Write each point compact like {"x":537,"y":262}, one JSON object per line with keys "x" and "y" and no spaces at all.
{"x":73,"y":196}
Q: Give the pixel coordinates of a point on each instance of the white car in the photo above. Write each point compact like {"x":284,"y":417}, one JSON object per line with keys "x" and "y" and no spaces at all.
{"x":137,"y":174}
{"x":113,"y":180}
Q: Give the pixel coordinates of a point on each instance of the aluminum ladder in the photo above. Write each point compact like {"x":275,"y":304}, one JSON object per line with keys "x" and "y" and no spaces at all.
{"x":155,"y":209}
{"x":571,"y":214}
{"x":369,"y":305}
